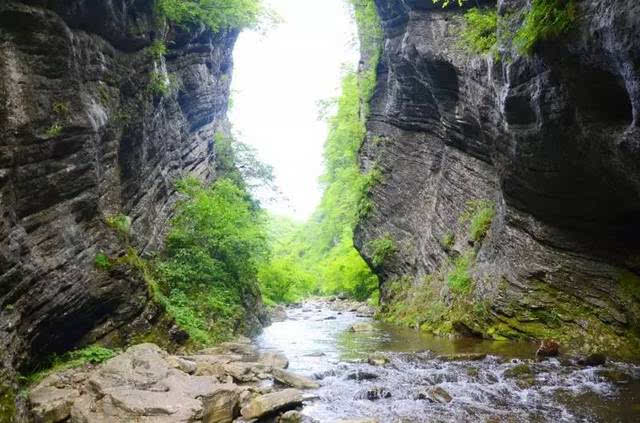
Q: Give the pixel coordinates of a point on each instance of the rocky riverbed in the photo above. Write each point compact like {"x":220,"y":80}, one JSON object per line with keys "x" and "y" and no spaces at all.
{"x":328,"y":362}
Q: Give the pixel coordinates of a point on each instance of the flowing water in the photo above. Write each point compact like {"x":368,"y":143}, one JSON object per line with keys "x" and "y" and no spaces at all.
{"x":318,"y":343}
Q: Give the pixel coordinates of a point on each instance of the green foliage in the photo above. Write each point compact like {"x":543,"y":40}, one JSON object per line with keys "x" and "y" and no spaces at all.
{"x":93,"y":354}
{"x":159,"y":84}
{"x":459,"y":277}
{"x":446,"y":3}
{"x":318,"y":257}
{"x":157,"y":49}
{"x":369,"y":28}
{"x":102,"y":261}
{"x":238,"y":162}
{"x":120,"y":223}
{"x":448,"y":240}
{"x":216,"y":243}
{"x":216,"y":14}
{"x":479,"y":35}
{"x":54,"y":130}
{"x":546,"y":20}
{"x":479,"y":214}
{"x":382,"y":249}
{"x":7,"y":399}
{"x":60,"y":112}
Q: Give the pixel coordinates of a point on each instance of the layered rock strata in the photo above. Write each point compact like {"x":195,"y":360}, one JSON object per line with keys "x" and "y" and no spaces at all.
{"x":549,"y":141}
{"x":95,"y":122}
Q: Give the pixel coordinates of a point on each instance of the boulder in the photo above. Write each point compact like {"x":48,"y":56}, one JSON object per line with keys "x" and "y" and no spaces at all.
{"x":50,"y":404}
{"x":436,"y":394}
{"x":222,"y":406}
{"x":247,"y":351}
{"x":293,"y":380}
{"x":263,"y":405}
{"x":278,"y":314}
{"x":180,"y":363}
{"x":377,"y":359}
{"x":357,"y":421}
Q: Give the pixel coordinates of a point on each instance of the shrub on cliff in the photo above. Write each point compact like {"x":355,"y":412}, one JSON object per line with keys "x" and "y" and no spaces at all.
{"x":216,"y":14}
{"x":216,"y":242}
{"x":545,"y":20}
{"x":480,"y":33}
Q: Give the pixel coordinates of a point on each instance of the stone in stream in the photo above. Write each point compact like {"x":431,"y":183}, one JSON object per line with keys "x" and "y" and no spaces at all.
{"x":373,"y":393}
{"x":437,"y":394}
{"x":361,"y":327}
{"x":295,"y":381}
{"x":358,"y":421}
{"x":361,"y":375}
{"x":462,"y":357}
{"x":595,"y":359}
{"x":377,"y":359}
{"x":274,"y":359}
{"x":278,"y":314}
{"x":263,"y":405}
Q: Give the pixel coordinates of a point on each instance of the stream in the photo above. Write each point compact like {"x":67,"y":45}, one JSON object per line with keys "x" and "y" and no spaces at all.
{"x":505,"y":386}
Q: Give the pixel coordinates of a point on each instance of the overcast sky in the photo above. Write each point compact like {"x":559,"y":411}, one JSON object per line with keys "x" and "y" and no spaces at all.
{"x":278,"y":79}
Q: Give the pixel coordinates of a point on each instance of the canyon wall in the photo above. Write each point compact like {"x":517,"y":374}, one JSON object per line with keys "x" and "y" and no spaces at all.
{"x":549,"y":141}
{"x":94,"y":124}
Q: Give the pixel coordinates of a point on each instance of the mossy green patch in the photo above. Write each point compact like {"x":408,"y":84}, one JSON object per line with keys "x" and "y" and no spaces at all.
{"x":7,"y":400}
{"x":93,"y":354}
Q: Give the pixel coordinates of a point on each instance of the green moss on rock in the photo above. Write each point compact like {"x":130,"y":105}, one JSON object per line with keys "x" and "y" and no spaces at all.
{"x":7,"y":400}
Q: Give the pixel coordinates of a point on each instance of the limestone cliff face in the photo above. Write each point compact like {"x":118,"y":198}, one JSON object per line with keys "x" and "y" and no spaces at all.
{"x":551,"y":140}
{"x":91,"y":125}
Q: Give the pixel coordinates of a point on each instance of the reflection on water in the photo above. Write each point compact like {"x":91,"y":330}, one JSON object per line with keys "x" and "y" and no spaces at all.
{"x":318,"y":343}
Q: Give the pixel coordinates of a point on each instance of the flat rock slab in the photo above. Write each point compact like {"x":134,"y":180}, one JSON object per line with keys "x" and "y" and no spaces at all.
{"x":270,"y":403}
{"x":293,"y":380}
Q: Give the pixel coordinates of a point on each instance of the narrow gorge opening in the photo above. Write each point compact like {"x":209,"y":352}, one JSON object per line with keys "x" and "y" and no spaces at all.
{"x":305,"y":211}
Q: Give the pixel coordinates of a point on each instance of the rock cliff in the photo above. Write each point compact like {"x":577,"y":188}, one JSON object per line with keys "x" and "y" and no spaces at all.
{"x":94,"y":123}
{"x":547,"y":143}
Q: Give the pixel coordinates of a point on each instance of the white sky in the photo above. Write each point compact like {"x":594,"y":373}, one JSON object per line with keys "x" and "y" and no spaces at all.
{"x":277,"y":80}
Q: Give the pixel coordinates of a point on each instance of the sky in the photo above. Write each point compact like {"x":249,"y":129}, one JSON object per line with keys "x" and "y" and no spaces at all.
{"x":278,"y":78}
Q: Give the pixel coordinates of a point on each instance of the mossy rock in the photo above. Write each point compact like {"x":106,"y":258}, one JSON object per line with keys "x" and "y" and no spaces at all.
{"x":7,"y":400}
{"x":524,"y":375}
{"x":520,"y":370}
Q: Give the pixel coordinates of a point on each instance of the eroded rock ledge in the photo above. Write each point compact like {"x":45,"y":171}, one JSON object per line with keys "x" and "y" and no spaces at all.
{"x":551,"y":141}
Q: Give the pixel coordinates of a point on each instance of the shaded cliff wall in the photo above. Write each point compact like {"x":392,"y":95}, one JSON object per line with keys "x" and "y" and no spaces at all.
{"x":91,"y":125}
{"x":551,"y":140}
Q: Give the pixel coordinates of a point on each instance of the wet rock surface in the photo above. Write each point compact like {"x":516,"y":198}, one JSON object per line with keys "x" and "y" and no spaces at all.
{"x":550,"y":140}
